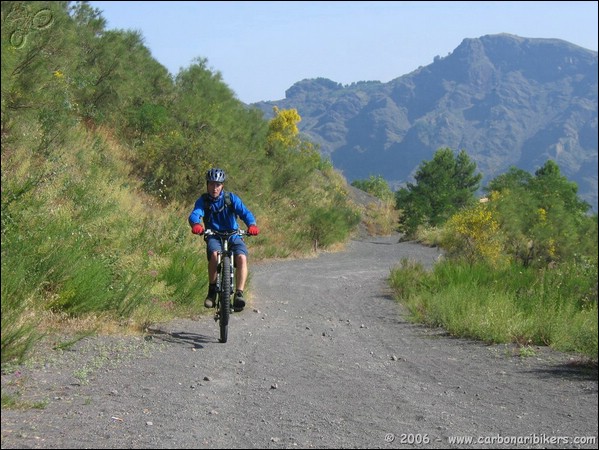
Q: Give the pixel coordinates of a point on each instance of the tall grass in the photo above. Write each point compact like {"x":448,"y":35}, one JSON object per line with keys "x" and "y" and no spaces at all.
{"x":380,"y":219}
{"x":82,"y":240}
{"x":555,"y":307}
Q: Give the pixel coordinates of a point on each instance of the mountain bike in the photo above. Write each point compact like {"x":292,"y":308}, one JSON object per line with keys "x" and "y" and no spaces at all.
{"x":225,"y":280}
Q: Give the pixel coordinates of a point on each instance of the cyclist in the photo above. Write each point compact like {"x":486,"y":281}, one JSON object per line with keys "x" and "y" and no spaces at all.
{"x":220,"y":210}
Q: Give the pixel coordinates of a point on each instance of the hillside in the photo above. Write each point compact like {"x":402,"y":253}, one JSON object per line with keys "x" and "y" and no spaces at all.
{"x":104,"y":154}
{"x":506,"y":100}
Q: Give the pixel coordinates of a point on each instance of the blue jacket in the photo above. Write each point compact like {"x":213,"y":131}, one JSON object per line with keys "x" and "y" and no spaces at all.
{"x":219,"y":217}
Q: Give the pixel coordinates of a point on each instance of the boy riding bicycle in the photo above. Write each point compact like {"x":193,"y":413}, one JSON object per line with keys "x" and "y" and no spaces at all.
{"x":220,"y":210}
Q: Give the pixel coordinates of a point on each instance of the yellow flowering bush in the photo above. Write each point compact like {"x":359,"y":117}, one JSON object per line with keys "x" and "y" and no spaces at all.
{"x":474,"y":234}
{"x":283,"y":128}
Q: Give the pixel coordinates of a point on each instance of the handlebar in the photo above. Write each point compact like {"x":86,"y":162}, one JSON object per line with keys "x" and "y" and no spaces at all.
{"x":240,"y":232}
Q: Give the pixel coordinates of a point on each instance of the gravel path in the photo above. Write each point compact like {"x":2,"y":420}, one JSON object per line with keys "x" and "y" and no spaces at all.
{"x":321,"y":358}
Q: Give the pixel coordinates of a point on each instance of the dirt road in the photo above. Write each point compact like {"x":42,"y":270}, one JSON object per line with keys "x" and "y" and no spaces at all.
{"x":321,"y":358}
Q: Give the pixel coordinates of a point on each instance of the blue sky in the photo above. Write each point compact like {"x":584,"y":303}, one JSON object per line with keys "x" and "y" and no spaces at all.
{"x":262,"y":48}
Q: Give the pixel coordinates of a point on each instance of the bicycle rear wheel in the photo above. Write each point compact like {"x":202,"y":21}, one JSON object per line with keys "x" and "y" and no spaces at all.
{"x":225,"y":298}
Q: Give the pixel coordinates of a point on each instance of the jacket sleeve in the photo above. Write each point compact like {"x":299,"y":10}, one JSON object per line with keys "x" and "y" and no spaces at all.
{"x":198,"y":212}
{"x":242,"y":211}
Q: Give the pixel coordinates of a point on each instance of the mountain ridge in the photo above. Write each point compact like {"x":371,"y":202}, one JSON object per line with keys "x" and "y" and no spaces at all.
{"x":504,"y":99}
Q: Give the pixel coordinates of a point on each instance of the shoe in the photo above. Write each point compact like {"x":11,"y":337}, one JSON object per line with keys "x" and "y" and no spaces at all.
{"x":238,"y":302}
{"x":210,"y":298}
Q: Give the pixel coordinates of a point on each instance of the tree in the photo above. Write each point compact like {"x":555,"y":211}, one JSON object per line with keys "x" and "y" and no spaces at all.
{"x":36,"y":53}
{"x":551,"y":185}
{"x":443,"y":186}
{"x":541,"y":216}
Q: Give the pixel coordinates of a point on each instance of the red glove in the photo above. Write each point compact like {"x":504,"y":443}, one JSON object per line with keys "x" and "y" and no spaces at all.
{"x":253,"y":230}
{"x":197,"y":229}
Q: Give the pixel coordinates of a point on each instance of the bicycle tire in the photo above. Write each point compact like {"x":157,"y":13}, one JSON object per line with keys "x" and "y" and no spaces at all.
{"x":225,"y":298}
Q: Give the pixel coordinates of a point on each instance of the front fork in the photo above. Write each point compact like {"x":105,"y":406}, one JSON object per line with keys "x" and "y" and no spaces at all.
{"x":232,"y":274}
{"x":219,"y":273}
{"x":219,"y":283}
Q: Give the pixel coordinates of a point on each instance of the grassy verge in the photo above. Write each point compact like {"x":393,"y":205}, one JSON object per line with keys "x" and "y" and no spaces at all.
{"x":554,"y":307}
{"x":84,"y":248}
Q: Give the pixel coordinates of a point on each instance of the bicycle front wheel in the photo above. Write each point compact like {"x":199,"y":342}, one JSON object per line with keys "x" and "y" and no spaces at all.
{"x":225,"y":298}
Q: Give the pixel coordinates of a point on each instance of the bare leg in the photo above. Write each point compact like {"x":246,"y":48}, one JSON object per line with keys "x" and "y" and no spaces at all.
{"x":241,"y":273}
{"x":212,"y":266}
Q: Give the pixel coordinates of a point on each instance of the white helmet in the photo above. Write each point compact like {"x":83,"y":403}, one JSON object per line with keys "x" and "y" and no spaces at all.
{"x":217,"y":175}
